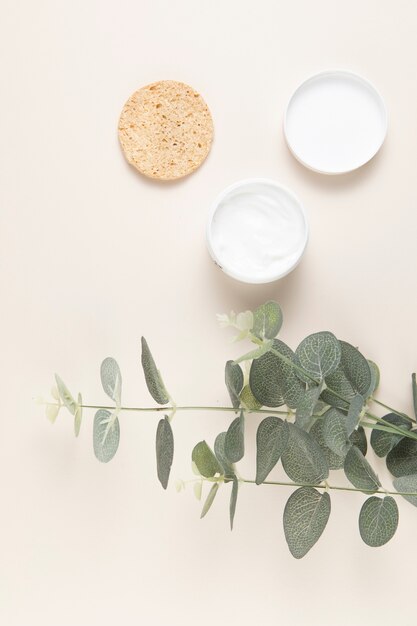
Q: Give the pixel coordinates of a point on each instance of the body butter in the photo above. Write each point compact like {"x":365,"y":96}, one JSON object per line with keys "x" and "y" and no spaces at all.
{"x":257,"y":231}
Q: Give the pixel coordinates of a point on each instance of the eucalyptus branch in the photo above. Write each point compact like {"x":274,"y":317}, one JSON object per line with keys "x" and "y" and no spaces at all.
{"x":325,"y":389}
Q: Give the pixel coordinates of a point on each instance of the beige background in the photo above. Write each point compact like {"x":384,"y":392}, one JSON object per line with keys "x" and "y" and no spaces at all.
{"x":93,"y":255}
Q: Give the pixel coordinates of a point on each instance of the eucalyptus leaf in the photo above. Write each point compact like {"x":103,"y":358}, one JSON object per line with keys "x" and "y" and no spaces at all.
{"x":271,"y":441}
{"x":219,"y":451}
{"x":248,"y":400}
{"x":106,"y":436}
{"x":303,"y":459}
{"x":359,"y":472}
{"x":334,"y":461}
{"x":78,"y":415}
{"x":51,"y":411}
{"x":164,"y":446}
{"x":255,"y":354}
{"x":234,"y":445}
{"x":153,"y":377}
{"x":354,"y":412}
{"x":273,"y":380}
{"x":234,"y":382}
{"x":375,"y":378}
{"x":319,"y":355}
{"x":383,"y":442}
{"x":198,"y":487}
{"x":65,"y":395}
{"x":407,"y":485}
{"x":414,"y":385}
{"x":358,"y":439}
{"x":233,"y":500}
{"x":305,"y":517}
{"x":402,"y":459}
{"x":111,"y":379}
{"x":210,"y":499}
{"x":305,"y":408}
{"x":335,"y":434}
{"x":378,"y":520}
{"x":267,"y":320}
{"x":353,"y":376}
{"x":205,"y":460}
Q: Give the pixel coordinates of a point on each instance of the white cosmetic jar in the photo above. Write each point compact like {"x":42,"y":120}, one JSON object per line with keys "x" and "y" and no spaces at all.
{"x":257,"y":231}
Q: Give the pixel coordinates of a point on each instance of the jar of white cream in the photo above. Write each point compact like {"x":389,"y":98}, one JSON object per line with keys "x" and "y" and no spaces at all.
{"x":257,"y":231}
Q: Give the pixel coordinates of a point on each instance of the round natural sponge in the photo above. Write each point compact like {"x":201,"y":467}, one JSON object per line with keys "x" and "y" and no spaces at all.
{"x":166,"y":130}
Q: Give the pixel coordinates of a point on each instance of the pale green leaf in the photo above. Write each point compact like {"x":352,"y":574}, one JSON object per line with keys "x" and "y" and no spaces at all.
{"x":51,"y":411}
{"x":354,"y":412}
{"x":271,"y":441}
{"x":164,"y":450}
{"x":78,"y":415}
{"x":210,"y":499}
{"x":233,"y":500}
{"x":198,"y":488}
{"x":105,"y":436}
{"x":267,"y":320}
{"x":407,"y":485}
{"x":359,"y":472}
{"x":402,"y":460}
{"x":111,"y":379}
{"x":358,"y":439}
{"x":234,"y":444}
{"x":303,"y":460}
{"x":153,"y":377}
{"x":334,"y":432}
{"x":233,"y":376}
{"x":248,"y":400}
{"x":319,"y":355}
{"x":273,"y":380}
{"x":205,"y":460}
{"x":383,"y":442}
{"x":55,"y":393}
{"x":378,"y":520}
{"x":65,"y":395}
{"x":305,"y":517}
{"x":375,"y":378}
{"x":255,"y":354}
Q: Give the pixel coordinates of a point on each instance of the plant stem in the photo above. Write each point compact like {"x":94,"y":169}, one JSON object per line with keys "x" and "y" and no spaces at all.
{"x":183,"y":408}
{"x":393,"y":410}
{"x":392,"y":427}
{"x":334,"y":487}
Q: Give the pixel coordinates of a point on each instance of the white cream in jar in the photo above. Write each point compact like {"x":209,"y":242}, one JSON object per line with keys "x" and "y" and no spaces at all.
{"x":257,"y":231}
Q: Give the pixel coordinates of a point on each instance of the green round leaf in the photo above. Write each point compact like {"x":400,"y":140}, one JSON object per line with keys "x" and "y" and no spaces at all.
{"x":319,"y":355}
{"x":219,"y":451}
{"x":234,"y":382}
{"x":354,"y":412}
{"x":383,"y":442}
{"x":378,"y":520}
{"x":271,"y":441}
{"x":305,"y":517}
{"x":267,"y":320}
{"x":273,"y":381}
{"x":359,"y":472}
{"x":306,"y":407}
{"x":248,"y":400}
{"x":206,"y":462}
{"x":353,"y":376}
{"x":402,"y":460}
{"x":164,"y":450}
{"x":407,"y":485}
{"x":375,"y":378}
{"x":111,"y":379}
{"x":358,"y":439}
{"x":106,"y":435}
{"x":334,"y":461}
{"x":153,"y":377}
{"x":234,"y":444}
{"x":303,"y":459}
{"x":335,"y":433}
